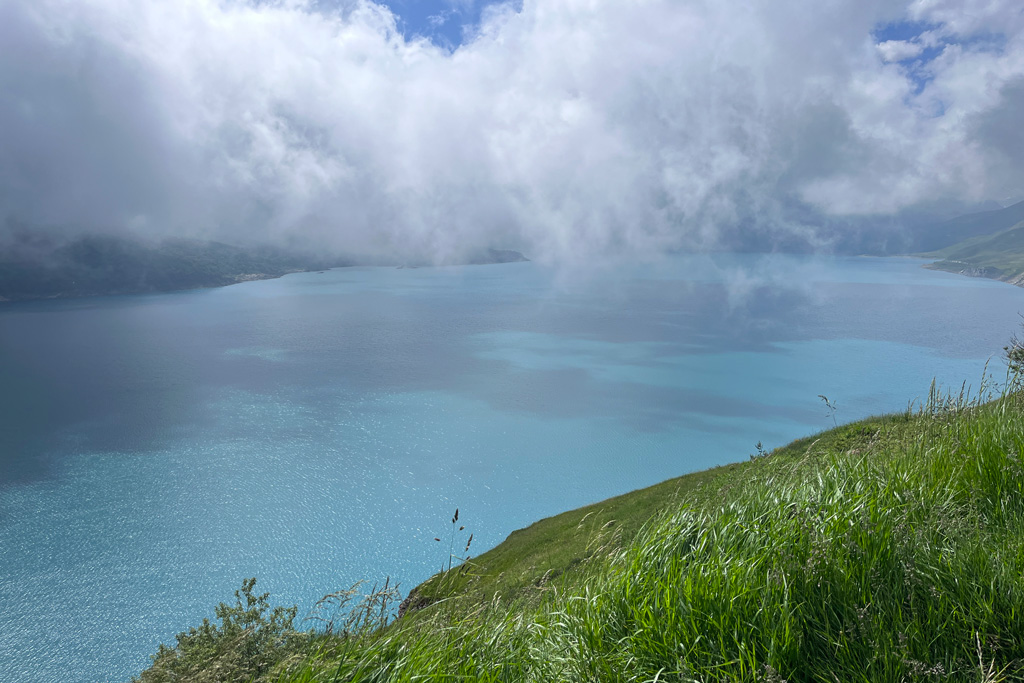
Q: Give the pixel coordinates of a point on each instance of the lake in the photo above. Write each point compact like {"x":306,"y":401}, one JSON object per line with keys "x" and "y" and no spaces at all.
{"x":321,"y":428}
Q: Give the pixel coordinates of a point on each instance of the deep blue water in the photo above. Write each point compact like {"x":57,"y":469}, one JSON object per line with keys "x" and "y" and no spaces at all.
{"x":321,"y":428}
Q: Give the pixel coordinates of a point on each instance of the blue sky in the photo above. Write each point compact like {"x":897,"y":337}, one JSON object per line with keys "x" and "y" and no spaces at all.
{"x":911,"y":32}
{"x":440,"y":20}
{"x":924,"y":41}
{"x":901,"y":30}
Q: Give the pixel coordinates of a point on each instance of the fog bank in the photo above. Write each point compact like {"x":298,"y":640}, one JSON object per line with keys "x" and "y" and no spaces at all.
{"x":567,"y":129}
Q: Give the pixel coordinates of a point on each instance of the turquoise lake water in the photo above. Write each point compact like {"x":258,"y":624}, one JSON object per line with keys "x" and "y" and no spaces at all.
{"x":319,"y":429}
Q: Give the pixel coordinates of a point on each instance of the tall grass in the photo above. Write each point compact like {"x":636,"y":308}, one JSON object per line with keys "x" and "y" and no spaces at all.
{"x":895,"y":557}
{"x":879,"y":567}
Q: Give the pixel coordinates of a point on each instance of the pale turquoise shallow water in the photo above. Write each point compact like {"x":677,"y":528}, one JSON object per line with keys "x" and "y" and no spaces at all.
{"x":321,"y":428}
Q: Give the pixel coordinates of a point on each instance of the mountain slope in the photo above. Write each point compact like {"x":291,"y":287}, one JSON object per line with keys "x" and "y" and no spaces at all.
{"x":38,"y":267}
{"x":953,"y":232}
{"x":99,"y":265}
{"x":999,"y":256}
{"x":888,"y":550}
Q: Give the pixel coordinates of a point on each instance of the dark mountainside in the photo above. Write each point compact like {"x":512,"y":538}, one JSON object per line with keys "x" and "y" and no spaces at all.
{"x":491,"y":256}
{"x":98,"y":265}
{"x":40,"y":267}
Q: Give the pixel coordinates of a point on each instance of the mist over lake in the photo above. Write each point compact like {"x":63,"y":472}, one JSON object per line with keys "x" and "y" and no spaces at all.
{"x":321,"y":428}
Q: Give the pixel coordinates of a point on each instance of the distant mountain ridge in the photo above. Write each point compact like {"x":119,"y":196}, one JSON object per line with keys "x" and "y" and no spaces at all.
{"x":972,"y":225}
{"x":491,"y":256}
{"x":37,"y":267}
{"x":99,"y":265}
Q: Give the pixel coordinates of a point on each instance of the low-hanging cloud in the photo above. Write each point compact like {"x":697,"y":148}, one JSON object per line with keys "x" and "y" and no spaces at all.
{"x":565,"y":128}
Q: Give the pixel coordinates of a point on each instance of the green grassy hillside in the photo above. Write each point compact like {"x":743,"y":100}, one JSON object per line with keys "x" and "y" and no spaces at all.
{"x":999,"y":256}
{"x":890,"y":549}
{"x":564,"y":546}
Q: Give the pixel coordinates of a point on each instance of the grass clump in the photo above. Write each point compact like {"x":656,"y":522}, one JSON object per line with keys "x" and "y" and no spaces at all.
{"x":889,"y":550}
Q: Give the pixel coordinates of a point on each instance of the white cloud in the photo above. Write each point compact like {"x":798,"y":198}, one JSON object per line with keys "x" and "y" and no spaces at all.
{"x":569,"y":128}
{"x":440,"y":19}
{"x":968,"y":17}
{"x":899,"y":50}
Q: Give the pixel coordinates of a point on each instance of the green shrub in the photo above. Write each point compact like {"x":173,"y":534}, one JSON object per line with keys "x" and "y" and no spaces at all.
{"x":250,"y":639}
{"x":1015,"y":356}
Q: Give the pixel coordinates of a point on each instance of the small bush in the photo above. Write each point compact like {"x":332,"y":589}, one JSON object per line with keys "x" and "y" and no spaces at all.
{"x":1015,"y":356}
{"x":250,"y":639}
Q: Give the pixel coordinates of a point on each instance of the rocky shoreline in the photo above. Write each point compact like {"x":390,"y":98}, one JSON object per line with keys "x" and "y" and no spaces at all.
{"x":972,"y":270}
